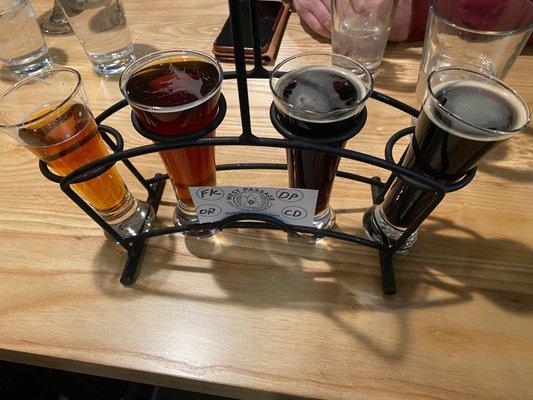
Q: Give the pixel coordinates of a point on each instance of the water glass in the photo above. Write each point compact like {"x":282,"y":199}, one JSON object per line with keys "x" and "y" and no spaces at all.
{"x":56,"y":23}
{"x":360,"y":29}
{"x":474,"y":34}
{"x":101,"y":27}
{"x":22,"y":46}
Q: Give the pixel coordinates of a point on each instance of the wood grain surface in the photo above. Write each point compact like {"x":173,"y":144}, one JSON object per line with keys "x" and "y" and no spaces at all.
{"x":253,"y":314}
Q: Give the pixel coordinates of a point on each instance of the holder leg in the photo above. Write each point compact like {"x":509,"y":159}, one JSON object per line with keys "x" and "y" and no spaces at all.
{"x":388,"y":282}
{"x":377,"y":192}
{"x":136,"y":251}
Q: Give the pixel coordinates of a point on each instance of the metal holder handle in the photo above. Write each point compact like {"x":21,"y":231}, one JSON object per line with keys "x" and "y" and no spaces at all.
{"x":154,"y":186}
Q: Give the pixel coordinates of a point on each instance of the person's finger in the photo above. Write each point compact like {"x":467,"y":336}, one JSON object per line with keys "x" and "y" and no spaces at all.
{"x":327,"y":4}
{"x":315,"y":24}
{"x":323,"y":15}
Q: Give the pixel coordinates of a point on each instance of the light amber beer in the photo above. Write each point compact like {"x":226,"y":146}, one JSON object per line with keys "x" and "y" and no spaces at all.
{"x":67,"y":139}
{"x":49,"y":114}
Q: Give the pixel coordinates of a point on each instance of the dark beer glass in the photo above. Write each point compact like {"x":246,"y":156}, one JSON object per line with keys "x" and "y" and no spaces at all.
{"x":49,"y":114}
{"x":175,"y":93}
{"x":465,"y":115}
{"x":318,"y":95}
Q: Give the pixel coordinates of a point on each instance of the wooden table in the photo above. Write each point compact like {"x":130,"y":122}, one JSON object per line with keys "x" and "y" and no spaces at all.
{"x":252,"y":314}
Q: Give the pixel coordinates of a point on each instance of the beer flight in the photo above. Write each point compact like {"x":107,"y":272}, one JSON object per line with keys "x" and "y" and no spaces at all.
{"x":465,"y":115}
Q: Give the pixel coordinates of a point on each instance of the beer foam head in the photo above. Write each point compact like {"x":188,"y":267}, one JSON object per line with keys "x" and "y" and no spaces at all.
{"x":320,"y":93}
{"x":477,"y":110}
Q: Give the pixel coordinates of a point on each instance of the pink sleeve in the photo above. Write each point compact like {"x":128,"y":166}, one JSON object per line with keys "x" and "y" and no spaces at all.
{"x":401,"y":22}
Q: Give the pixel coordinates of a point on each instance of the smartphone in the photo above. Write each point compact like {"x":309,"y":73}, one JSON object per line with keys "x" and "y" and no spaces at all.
{"x":272,"y":17}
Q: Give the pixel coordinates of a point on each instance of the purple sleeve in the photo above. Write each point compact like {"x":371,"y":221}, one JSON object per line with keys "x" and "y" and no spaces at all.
{"x":494,"y":15}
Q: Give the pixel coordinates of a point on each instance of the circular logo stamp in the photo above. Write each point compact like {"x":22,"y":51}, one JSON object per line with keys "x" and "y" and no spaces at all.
{"x":251,"y":200}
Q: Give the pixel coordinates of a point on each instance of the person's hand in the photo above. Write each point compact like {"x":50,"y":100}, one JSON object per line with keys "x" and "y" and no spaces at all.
{"x":316,"y":13}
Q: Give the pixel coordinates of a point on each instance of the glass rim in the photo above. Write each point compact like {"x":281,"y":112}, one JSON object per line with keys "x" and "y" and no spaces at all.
{"x":431,"y":96}
{"x":336,"y":111}
{"x":138,"y":64}
{"x":479,"y":31}
{"x":24,"y":81}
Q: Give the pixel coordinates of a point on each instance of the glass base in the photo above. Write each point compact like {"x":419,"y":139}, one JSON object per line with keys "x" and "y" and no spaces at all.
{"x":378,"y":229}
{"x":30,"y":64}
{"x":184,"y":216}
{"x":324,"y":221}
{"x":140,"y":219}
{"x":52,"y":28}
{"x":374,"y":71}
{"x":113,"y":63}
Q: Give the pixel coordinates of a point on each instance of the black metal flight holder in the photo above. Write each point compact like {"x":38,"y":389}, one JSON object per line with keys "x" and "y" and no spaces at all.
{"x":258,"y":69}
{"x":155,"y":185}
{"x":167,"y":143}
{"x":134,"y":245}
{"x":240,"y":64}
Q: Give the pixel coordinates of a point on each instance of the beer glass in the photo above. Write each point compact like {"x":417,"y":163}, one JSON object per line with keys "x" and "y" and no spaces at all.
{"x":174,"y":93}
{"x":477,"y":34}
{"x":466,"y":114}
{"x":318,"y":95}
{"x":50,"y":116}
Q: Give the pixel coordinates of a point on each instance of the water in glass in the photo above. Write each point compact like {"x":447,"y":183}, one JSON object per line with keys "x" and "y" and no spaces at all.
{"x":102,"y":30}
{"x":22,"y":46}
{"x":362,"y":38}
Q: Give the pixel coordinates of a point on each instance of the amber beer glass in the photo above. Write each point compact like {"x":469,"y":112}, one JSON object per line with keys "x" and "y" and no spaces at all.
{"x":175,"y":93}
{"x":49,"y":115}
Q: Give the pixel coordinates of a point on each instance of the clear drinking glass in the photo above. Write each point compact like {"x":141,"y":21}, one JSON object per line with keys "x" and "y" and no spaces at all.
{"x":49,"y":115}
{"x":319,"y":96}
{"x":174,"y":93}
{"x":22,"y":45}
{"x":56,"y":23}
{"x":465,"y":115}
{"x":360,"y":29}
{"x":101,"y":27}
{"x":475,"y":35}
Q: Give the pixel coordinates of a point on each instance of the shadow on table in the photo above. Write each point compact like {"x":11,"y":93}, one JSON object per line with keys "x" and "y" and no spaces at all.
{"x":143,"y":49}
{"x":277,"y":275}
{"x":521,"y":145}
{"x":395,"y":75}
{"x":59,"y":56}
{"x":494,"y":268}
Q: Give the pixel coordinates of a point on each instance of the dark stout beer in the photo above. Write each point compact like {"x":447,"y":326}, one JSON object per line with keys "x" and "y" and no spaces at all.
{"x":319,"y":90}
{"x":446,"y":149}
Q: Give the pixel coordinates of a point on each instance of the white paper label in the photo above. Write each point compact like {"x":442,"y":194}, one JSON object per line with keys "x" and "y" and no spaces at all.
{"x":292,"y":206}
